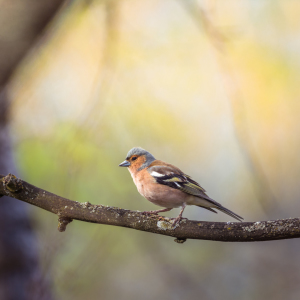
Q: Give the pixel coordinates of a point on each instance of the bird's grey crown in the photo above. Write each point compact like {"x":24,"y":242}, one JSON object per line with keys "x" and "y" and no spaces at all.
{"x":140,"y":151}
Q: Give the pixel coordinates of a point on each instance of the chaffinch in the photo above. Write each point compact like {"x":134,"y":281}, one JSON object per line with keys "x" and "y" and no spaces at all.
{"x":167,"y":186}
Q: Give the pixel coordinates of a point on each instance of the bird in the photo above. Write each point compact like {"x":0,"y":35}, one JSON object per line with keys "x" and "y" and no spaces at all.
{"x":167,"y":186}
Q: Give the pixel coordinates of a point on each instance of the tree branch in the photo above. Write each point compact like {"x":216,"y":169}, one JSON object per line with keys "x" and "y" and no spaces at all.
{"x":68,"y":210}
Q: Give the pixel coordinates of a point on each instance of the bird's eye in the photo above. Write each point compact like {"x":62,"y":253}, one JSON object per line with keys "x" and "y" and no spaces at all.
{"x":134,"y":158}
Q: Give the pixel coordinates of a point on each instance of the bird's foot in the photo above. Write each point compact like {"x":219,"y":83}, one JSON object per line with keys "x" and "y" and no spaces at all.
{"x":179,"y":218}
{"x":177,"y":221}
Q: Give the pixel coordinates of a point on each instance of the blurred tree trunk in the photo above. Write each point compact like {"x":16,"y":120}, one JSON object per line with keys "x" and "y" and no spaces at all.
{"x":21,"y":23}
{"x":19,"y":270}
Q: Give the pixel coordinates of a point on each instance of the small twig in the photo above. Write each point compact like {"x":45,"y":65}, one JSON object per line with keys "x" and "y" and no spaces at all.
{"x":62,"y":223}
{"x":179,"y":241}
{"x":69,"y":210}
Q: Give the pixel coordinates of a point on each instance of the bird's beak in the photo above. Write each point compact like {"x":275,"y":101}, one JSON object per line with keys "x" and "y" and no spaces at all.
{"x":125,"y":163}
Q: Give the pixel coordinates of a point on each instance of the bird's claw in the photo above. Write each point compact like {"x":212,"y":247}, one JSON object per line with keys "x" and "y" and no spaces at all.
{"x":177,"y":221}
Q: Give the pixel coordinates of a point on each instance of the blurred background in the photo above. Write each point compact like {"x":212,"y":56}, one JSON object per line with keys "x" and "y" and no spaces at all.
{"x":209,"y":86}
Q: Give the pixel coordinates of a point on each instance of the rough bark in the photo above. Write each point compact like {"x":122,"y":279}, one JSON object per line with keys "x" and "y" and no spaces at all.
{"x":68,"y":210}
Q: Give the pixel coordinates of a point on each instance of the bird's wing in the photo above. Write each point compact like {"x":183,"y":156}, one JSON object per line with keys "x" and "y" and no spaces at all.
{"x":173,"y":177}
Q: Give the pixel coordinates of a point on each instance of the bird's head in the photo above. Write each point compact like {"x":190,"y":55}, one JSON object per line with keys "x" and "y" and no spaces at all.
{"x":137,"y":159}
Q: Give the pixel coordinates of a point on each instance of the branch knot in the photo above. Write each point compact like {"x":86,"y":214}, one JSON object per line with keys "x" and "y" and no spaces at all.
{"x":12,"y":183}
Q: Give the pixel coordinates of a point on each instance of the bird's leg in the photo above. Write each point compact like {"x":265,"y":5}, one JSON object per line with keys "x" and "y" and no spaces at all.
{"x":178,"y":219}
{"x":155,"y":212}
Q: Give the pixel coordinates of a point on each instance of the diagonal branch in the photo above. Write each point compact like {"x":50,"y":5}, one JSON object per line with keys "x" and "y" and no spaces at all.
{"x":68,"y":210}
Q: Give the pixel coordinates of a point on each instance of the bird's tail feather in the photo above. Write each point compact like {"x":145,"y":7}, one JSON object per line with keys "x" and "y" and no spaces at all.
{"x":229,"y":213}
{"x":224,"y":210}
{"x":208,"y":208}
